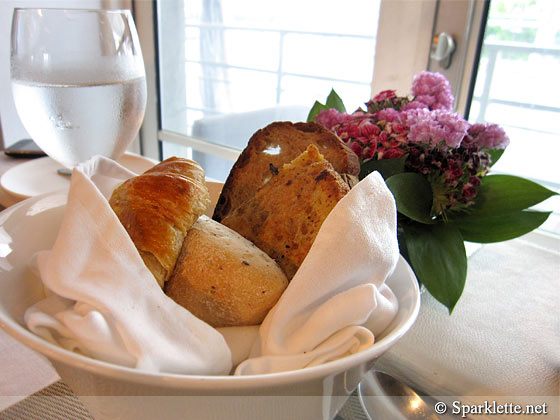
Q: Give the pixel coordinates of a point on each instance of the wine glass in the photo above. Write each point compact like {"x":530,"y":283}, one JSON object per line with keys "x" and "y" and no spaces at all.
{"x":78,"y":81}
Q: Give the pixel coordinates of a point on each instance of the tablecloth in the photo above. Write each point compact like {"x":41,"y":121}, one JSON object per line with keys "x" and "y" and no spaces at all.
{"x":502,"y":339}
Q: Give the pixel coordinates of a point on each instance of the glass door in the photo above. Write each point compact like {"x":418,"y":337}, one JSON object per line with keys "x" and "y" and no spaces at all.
{"x":504,"y":70}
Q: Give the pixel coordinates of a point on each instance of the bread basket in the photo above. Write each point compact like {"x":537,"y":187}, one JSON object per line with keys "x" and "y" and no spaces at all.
{"x":110,"y":391}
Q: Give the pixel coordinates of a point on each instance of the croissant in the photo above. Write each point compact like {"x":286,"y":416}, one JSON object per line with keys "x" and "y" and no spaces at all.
{"x":157,"y":209}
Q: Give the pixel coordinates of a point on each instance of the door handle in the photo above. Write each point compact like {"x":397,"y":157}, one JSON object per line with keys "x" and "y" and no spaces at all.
{"x":443,"y":47}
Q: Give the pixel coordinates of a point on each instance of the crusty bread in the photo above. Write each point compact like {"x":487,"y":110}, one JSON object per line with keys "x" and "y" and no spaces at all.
{"x":222,"y":278}
{"x":270,"y":148}
{"x":158,"y":207}
{"x":284,"y":215}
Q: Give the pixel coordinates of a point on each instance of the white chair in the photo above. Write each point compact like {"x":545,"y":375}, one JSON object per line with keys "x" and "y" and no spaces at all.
{"x":235,"y":130}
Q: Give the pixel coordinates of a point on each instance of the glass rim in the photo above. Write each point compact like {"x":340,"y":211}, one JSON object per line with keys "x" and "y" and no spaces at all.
{"x":62,"y":9}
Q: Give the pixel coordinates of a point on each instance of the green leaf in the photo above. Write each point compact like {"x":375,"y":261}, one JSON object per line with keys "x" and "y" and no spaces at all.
{"x":334,"y":101}
{"x":386,"y":167}
{"x":438,"y":257}
{"x":495,"y":155}
{"x":503,"y":194}
{"x":500,"y":228}
{"x":315,"y":109}
{"x":413,"y":196}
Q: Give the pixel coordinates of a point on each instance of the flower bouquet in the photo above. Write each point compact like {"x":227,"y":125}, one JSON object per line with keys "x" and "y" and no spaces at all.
{"x":436,"y":164}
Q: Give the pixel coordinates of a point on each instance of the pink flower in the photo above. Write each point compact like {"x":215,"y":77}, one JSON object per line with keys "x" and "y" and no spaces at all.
{"x":369,"y":151}
{"x":488,"y":136}
{"x":454,"y":171}
{"x":474,"y":181}
{"x":384,"y":95}
{"x":433,"y":89}
{"x":414,"y":105}
{"x":356,"y":148}
{"x":392,"y":153}
{"x":469,"y":191}
{"x":454,"y":126}
{"x":422,"y":127}
{"x":331,"y":117}
{"x":435,"y":141}
{"x":435,"y":128}
{"x":352,"y":129}
{"x":388,"y":114}
{"x":368,"y":128}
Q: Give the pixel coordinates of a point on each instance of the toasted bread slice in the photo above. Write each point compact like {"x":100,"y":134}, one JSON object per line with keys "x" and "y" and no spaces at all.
{"x":269,"y":149}
{"x":284,"y":216}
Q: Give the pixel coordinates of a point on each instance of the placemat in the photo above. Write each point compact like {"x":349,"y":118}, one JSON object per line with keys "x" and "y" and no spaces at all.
{"x":55,"y":402}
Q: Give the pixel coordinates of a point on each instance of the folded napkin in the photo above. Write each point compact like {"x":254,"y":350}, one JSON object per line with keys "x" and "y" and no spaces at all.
{"x":107,"y":304}
{"x":103,"y":301}
{"x":338,"y":299}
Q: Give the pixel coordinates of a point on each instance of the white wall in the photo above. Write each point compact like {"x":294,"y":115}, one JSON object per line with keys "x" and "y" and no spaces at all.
{"x":11,"y":128}
{"x":403,"y":44}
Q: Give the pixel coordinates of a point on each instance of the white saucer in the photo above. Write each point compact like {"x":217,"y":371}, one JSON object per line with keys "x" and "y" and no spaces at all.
{"x":39,"y":176}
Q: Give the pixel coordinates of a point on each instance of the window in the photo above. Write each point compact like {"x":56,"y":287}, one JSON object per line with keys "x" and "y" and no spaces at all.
{"x":259,"y":61}
{"x":517,"y":87}
{"x":511,"y":82}
{"x":262,"y":62}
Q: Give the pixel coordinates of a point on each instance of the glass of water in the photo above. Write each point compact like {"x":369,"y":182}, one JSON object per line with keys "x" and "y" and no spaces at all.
{"x":78,"y":81}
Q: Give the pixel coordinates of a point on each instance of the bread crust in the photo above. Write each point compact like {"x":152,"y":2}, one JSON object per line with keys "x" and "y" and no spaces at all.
{"x":285,"y":215}
{"x":273,"y":146}
{"x":223,"y":279}
{"x":158,"y":207}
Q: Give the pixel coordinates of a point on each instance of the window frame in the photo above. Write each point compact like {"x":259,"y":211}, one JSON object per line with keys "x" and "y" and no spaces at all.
{"x":414,"y":21}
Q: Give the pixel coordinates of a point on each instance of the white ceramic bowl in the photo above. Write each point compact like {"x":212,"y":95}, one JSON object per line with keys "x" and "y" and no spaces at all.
{"x":115,"y":392}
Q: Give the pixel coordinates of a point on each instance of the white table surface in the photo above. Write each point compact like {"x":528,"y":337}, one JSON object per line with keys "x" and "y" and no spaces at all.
{"x":503,"y":339}
{"x":503,"y":336}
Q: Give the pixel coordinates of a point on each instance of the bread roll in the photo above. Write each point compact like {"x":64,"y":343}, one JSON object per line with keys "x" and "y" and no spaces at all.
{"x":285,"y":214}
{"x":158,"y":207}
{"x":222,"y":278}
{"x":272,"y":147}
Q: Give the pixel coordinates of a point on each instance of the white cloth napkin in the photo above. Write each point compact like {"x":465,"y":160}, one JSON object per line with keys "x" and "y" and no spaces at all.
{"x":106,"y":304}
{"x":338,"y":296}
